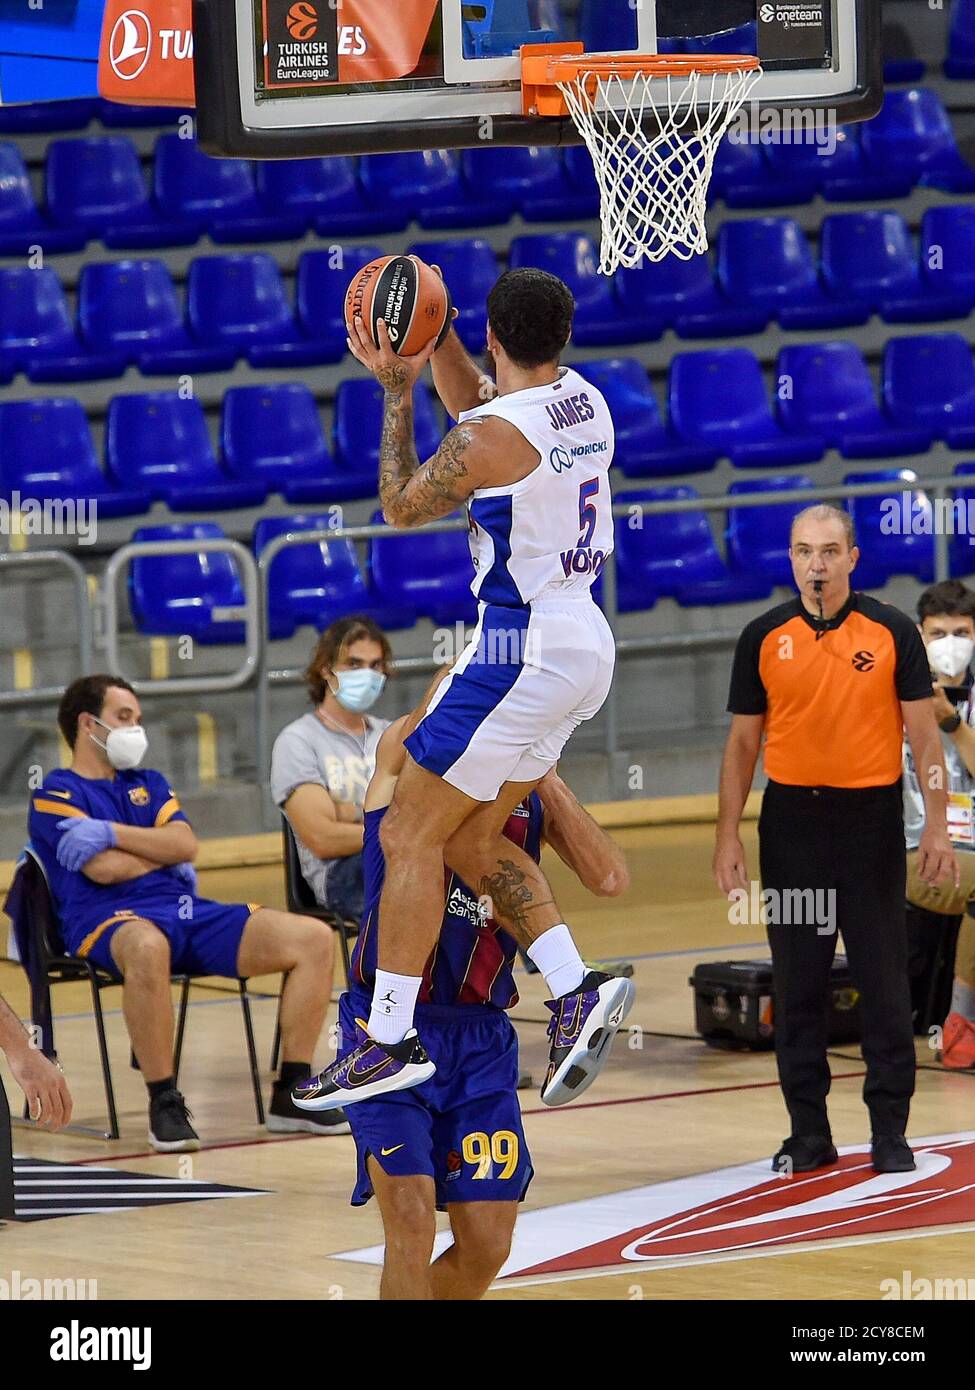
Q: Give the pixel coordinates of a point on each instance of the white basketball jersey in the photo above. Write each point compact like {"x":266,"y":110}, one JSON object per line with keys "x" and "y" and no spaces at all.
{"x":551,"y":532}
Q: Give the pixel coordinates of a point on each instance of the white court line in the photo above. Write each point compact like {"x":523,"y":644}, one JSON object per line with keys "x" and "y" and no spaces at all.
{"x":690,"y":1262}
{"x":167,"y":1184}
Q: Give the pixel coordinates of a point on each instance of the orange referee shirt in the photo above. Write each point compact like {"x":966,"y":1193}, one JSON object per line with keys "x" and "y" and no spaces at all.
{"x":831,"y":695}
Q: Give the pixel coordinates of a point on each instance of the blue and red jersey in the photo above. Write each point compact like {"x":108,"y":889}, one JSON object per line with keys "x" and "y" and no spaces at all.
{"x":472,"y":961}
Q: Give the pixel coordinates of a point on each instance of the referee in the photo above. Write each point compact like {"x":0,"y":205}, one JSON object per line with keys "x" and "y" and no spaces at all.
{"x":832,"y":679}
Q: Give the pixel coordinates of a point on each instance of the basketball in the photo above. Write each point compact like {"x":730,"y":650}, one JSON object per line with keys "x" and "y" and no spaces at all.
{"x":408,"y":295}
{"x":302,"y":21}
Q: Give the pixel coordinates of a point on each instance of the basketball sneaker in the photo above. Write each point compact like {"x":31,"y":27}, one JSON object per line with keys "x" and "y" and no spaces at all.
{"x":958,"y":1043}
{"x":170,"y":1130}
{"x":582,"y":1028}
{"x":371,"y":1069}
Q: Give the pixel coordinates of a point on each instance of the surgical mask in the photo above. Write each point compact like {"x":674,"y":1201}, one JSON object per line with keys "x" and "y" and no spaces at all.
{"x":359,"y":690}
{"x":951,"y":656}
{"x":125,"y":747}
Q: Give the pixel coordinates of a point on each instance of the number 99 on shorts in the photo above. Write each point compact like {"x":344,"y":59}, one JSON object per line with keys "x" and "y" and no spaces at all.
{"x":489,"y":1151}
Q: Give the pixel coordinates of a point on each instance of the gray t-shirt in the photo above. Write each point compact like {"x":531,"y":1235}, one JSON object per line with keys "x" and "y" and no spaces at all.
{"x":342,"y":763}
{"x":959,"y":778}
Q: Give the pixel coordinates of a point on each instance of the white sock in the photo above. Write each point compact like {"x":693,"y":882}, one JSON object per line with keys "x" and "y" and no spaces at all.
{"x":393,"y":1002}
{"x":556,"y":956}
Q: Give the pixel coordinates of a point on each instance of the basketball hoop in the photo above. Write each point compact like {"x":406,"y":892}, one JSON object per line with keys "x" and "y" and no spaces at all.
{"x":653,"y":126}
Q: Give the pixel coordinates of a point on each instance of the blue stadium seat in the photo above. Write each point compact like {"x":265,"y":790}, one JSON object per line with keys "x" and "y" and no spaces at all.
{"x":46,"y":451}
{"x":239,"y":302}
{"x":744,"y":177}
{"x":719,"y":400}
{"x":471,"y":270}
{"x":22,"y":224}
{"x":328,"y":193}
{"x":359,"y":427}
{"x":960,"y":63}
{"x":132,"y":308}
{"x":602,"y":319}
{"x":220,"y":193}
{"x":961,"y":545}
{"x":426,"y":574}
{"x":758,"y":537}
{"x":826,"y":389}
{"x":902,"y":70}
{"x":683,"y":296}
{"x":883,"y":553}
{"x":177,"y":595}
{"x":536,"y":182}
{"x":843,"y":176}
{"x":645,"y":446}
{"x":97,"y":184}
{"x":948,"y":253}
{"x":47,"y":116}
{"x":275,"y":433}
{"x":37,"y":335}
{"x":427,"y":186}
{"x":159,"y":443}
{"x":929,"y":384}
{"x":115,"y":115}
{"x":672,"y":555}
{"x":496,"y":28}
{"x":914,"y":132}
{"x":608,"y":26}
{"x":323,"y":282}
{"x":869,"y":259}
{"x":317,"y":583}
{"x":767,"y":264}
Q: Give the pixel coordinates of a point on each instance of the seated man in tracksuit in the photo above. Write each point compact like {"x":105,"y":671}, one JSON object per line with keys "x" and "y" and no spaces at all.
{"x":456,"y":1141}
{"x":118,"y":850}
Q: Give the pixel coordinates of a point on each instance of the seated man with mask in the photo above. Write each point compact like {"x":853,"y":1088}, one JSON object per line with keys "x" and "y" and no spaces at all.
{"x":946,"y":620}
{"x":323,"y":762}
{"x":117,"y":851}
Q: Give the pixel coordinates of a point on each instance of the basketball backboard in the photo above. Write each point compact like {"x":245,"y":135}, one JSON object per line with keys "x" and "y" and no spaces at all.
{"x":280,"y":78}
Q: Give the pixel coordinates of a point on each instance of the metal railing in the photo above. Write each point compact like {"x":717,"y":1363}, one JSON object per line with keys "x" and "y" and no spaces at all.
{"x":14,"y":559}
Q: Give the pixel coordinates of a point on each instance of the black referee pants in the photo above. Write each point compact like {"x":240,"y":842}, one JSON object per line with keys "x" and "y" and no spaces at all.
{"x":851,"y":841}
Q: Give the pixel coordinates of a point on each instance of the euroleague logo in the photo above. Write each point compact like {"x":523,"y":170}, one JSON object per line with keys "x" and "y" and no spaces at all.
{"x":863,"y":661}
{"x":131,"y":45}
{"x":302,"y":21}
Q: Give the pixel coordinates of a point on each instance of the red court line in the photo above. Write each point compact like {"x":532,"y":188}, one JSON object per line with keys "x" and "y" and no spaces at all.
{"x":544,"y":1110}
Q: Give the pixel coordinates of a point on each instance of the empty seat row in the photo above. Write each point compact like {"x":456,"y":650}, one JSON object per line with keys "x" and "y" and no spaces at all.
{"x":49,"y":117}
{"x":158,"y":448}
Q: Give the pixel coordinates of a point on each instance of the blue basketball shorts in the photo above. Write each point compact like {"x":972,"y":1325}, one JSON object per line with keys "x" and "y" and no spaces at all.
{"x":204,"y":936}
{"x":462,"y":1127}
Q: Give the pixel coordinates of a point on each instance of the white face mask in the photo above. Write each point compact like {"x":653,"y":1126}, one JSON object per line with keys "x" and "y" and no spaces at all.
{"x":126,"y":747}
{"x":951,"y":656}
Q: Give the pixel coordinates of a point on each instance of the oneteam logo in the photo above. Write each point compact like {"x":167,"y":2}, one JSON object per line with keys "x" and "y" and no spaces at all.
{"x":131,"y":45}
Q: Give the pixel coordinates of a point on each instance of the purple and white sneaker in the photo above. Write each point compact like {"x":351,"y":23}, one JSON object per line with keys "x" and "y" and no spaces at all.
{"x":371,"y":1069}
{"x":582,"y":1029}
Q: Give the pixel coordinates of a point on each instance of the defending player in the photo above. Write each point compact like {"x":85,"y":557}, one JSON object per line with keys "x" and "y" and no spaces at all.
{"x":457,"y":1140}
{"x":530,"y":459}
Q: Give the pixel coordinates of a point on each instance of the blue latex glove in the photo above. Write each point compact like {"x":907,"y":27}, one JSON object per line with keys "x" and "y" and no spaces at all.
{"x":187,"y":873}
{"x":82,"y":840}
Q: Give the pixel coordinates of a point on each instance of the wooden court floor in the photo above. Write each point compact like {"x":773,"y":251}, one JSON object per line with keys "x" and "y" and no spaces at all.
{"x":667,"y":1110}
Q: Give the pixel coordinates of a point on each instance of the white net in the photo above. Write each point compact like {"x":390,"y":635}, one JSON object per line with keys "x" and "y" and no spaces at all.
{"x":653,"y":140}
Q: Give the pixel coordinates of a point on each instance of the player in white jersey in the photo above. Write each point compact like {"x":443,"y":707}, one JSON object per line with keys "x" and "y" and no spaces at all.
{"x":530,"y":458}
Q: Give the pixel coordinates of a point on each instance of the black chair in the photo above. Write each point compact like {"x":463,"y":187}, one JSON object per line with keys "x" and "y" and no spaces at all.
{"x":302,"y":900}
{"x":51,"y":965}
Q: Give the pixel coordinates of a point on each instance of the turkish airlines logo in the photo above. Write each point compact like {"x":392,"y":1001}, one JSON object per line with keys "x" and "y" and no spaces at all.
{"x":131,"y":45}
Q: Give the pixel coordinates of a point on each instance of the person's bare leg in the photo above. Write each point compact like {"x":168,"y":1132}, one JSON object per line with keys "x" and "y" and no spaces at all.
{"x":424,"y":813}
{"x":482,"y":1243}
{"x":303,"y":947}
{"x":408,"y":1208}
{"x":141,"y":952}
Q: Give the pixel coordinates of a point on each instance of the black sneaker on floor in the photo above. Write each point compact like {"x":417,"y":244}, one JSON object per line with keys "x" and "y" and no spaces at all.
{"x":891,"y":1153}
{"x":804,"y":1153}
{"x":284,"y":1117}
{"x":170,"y":1130}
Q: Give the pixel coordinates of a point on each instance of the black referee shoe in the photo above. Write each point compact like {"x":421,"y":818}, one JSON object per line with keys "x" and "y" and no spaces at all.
{"x":170,"y":1130}
{"x":804,"y":1153}
{"x":891,"y":1153}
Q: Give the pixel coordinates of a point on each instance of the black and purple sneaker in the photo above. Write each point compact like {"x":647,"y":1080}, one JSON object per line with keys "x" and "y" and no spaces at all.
{"x":582,"y":1029}
{"x":371,"y":1069}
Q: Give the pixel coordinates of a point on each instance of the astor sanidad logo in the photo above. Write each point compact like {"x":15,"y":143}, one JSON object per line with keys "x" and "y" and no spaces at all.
{"x":130,"y":47}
